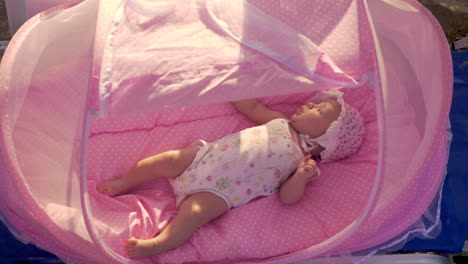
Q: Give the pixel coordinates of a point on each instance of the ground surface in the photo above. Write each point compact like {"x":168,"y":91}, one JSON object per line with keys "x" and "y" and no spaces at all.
{"x":452,"y":15}
{"x":4,"y":32}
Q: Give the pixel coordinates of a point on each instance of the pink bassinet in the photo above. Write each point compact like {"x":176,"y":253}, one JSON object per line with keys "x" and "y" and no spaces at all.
{"x":87,"y":89}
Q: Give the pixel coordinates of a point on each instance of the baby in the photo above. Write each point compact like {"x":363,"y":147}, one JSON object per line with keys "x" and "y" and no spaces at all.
{"x":210,"y":178}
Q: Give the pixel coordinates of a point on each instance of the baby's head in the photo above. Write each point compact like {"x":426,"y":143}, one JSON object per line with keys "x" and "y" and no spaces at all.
{"x":328,"y":126}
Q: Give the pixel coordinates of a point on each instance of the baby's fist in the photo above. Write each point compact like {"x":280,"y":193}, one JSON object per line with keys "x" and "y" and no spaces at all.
{"x":307,"y":168}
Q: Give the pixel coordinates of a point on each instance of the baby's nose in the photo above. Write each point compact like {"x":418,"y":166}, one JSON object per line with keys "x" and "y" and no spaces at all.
{"x":311,"y":105}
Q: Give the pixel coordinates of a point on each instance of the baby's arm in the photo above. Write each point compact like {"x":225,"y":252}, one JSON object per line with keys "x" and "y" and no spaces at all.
{"x":292,"y":190}
{"x":256,"y":111}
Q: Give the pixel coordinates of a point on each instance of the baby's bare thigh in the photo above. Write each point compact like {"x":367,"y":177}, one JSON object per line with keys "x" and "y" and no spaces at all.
{"x":202,"y":207}
{"x":182,"y":158}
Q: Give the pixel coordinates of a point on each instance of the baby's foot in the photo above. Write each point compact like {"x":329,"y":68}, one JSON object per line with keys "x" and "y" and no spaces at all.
{"x":113,"y":187}
{"x":139,"y":248}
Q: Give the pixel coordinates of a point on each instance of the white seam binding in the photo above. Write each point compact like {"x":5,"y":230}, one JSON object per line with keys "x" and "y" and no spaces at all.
{"x":105,"y":82}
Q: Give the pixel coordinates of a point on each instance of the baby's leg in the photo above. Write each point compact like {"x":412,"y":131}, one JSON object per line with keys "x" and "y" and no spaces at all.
{"x":197,"y":210}
{"x":168,"y":164}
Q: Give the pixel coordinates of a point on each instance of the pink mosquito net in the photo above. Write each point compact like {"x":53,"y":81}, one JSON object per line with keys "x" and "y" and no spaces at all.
{"x":89,"y":88}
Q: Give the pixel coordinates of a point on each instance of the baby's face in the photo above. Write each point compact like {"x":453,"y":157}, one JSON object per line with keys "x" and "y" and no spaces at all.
{"x":314,"y":119}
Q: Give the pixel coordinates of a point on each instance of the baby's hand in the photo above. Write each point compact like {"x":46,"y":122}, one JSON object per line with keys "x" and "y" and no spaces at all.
{"x":307,"y":168}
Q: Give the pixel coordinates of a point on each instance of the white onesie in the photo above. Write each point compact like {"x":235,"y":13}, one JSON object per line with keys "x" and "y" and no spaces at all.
{"x":242,"y":166}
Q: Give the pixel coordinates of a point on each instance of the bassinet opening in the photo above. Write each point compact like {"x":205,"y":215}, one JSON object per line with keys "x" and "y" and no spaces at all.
{"x":260,"y":229}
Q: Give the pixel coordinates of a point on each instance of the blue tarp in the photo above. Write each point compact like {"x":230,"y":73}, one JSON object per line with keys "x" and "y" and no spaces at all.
{"x":455,"y":197}
{"x":12,"y":250}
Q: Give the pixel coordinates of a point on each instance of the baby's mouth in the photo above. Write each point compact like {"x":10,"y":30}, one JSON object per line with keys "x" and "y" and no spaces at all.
{"x":300,"y":110}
